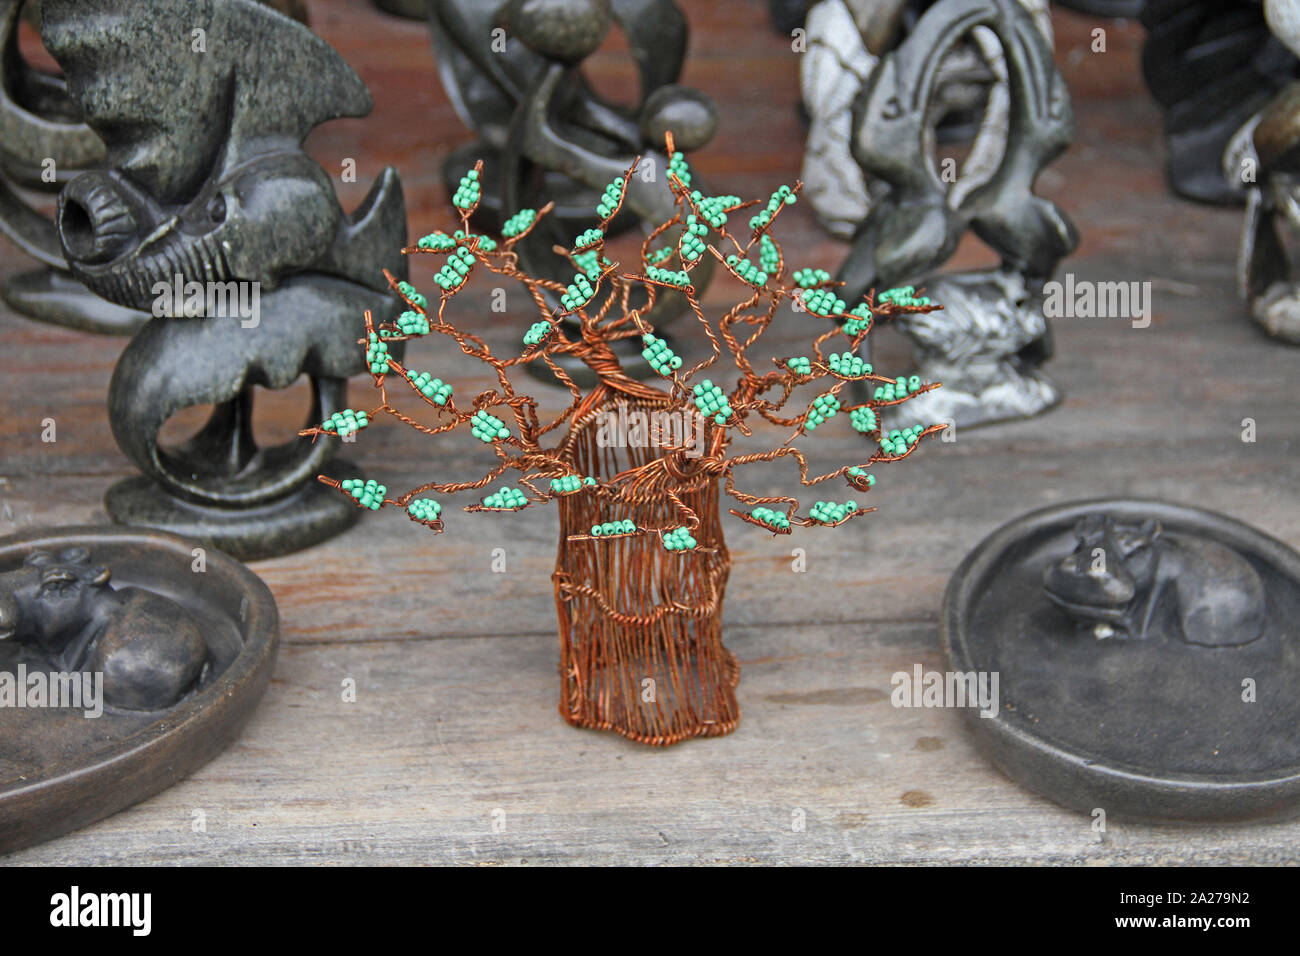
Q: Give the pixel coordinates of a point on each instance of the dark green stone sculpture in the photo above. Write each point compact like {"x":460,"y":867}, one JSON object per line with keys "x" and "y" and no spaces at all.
{"x":209,"y":215}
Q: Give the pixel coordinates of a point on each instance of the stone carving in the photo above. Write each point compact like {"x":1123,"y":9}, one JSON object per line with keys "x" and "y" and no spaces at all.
{"x":845,"y":41}
{"x":42,"y":144}
{"x":61,"y":611}
{"x":989,"y":343}
{"x":1127,"y":580}
{"x":208,"y":205}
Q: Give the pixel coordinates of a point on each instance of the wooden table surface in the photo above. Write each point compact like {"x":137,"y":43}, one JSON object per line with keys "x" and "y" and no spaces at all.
{"x":453,"y":750}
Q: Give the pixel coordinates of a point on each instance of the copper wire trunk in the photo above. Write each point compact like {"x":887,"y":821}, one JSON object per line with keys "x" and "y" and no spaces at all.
{"x":641,"y":627}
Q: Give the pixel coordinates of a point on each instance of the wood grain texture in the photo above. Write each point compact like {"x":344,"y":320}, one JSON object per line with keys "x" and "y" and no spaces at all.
{"x":455,"y":667}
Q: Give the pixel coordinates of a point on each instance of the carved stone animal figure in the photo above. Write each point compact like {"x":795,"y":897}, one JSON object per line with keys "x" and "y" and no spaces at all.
{"x":148,"y":647}
{"x":1122,"y":579}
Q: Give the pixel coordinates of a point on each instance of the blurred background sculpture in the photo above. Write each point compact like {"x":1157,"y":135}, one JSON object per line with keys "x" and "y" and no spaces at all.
{"x":208,"y":215}
{"x":512,"y":69}
{"x":43,"y":143}
{"x":1213,"y":65}
{"x":990,"y":340}
{"x":1268,"y":166}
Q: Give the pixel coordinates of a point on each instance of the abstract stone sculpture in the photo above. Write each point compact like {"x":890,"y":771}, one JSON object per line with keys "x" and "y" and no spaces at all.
{"x":845,"y":41}
{"x":990,"y":340}
{"x":209,"y":214}
{"x":512,"y":70}
{"x":42,"y":144}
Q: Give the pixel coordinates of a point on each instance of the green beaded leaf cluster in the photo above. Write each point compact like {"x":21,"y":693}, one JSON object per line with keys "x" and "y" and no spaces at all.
{"x":578,"y":293}
{"x":824,"y":408}
{"x":590,"y":262}
{"x":692,"y":241}
{"x":899,"y":388}
{"x":783,"y":195}
{"x":369,"y":494}
{"x":823,"y":302}
{"x":412,"y":295}
{"x":437,"y":241}
{"x":848,"y":365}
{"x":714,"y":208}
{"x":570,"y":483}
{"x":904,"y":296}
{"x":345,"y":423}
{"x":769,"y":257}
{"x":609,"y":528}
{"x":431,"y":388}
{"x":488,"y":428}
{"x":377,"y":355}
{"x":661,"y":358}
{"x":747,"y":270}
{"x":424,"y":509}
{"x":413,"y":323}
{"x":485,"y":243}
{"x":859,"y":321}
{"x":679,"y":539}
{"x":452,"y":275}
{"x":828,"y":512}
{"x":898,"y":442}
{"x":677,"y":166}
{"x":776,"y":520}
{"x":712,"y":401}
{"x":589,"y":238}
{"x":508,"y":498}
{"x":660,"y":254}
{"x":668,"y":277}
{"x":807,"y":278}
{"x":468,"y":192}
{"x":519,"y":223}
{"x":609,"y":202}
{"x":799,"y":364}
{"x":863,"y":420}
{"x":537,"y":332}
{"x":857,"y":471}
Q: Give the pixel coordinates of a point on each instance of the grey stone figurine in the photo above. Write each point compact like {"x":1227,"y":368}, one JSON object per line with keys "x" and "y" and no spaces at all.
{"x":988,"y":343}
{"x":1122,"y":578}
{"x":61,"y":613}
{"x":209,"y":215}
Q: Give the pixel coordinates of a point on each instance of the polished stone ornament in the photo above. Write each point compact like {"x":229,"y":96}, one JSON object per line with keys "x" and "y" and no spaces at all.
{"x":845,"y":42}
{"x":1143,"y":653}
{"x":61,"y":613}
{"x":111,"y":691}
{"x":208,"y":214}
{"x":989,"y":343}
{"x":512,"y":69}
{"x":42,"y":144}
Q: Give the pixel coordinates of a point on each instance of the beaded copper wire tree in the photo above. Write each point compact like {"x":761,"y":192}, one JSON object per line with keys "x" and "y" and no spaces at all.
{"x":642,"y":563}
